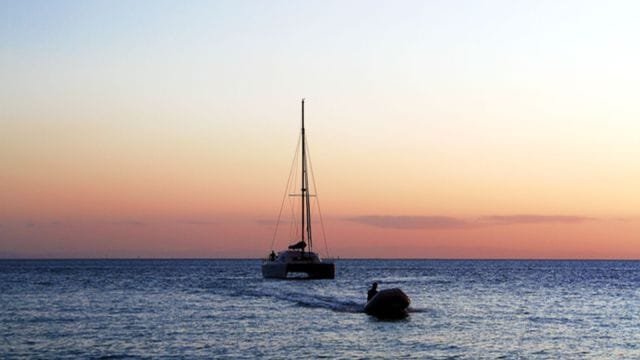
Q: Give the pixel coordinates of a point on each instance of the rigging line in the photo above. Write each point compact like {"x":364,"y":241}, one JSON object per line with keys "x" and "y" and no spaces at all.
{"x":293,"y":220}
{"x":293,"y":224}
{"x":293,"y":203}
{"x":284,"y":197}
{"x":315,"y":187}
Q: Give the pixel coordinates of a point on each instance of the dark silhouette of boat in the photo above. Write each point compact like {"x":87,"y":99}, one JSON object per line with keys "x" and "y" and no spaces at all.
{"x":300,"y":258}
{"x":388,"y":304}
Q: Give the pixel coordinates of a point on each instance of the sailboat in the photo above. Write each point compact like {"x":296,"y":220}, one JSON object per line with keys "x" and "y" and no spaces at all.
{"x":299,"y":258}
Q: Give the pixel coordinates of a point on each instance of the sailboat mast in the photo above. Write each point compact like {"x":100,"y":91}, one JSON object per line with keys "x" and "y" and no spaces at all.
{"x":306,"y":217}
{"x":304,"y":166}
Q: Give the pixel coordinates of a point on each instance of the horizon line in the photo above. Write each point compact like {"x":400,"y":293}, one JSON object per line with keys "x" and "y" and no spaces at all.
{"x":329,"y":258}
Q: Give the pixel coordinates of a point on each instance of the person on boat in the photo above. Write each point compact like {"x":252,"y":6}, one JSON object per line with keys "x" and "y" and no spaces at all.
{"x":373,"y":291}
{"x":272,"y":256}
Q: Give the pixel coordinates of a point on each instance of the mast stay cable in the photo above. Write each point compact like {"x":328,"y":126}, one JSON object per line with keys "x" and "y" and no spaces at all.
{"x":286,"y":190}
{"x":315,"y":188}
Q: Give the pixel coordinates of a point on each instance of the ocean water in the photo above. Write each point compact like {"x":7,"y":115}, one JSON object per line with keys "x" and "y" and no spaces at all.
{"x":224,"y":309}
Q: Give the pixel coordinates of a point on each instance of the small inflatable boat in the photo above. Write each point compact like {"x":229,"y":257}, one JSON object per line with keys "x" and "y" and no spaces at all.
{"x":389,"y":303}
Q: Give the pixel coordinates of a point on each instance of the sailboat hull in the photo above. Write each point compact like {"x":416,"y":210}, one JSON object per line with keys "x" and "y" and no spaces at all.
{"x":275,"y":270}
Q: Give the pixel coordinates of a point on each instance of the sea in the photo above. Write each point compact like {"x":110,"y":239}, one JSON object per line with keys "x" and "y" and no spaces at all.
{"x":460,"y":309}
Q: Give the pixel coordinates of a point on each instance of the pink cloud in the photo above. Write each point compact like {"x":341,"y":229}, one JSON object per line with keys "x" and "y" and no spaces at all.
{"x":449,"y":222}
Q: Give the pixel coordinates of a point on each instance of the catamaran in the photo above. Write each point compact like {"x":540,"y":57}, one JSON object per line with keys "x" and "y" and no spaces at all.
{"x":299,"y":258}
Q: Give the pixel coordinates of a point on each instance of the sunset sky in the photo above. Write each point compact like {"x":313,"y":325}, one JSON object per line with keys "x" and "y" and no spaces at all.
{"x":437,"y":129}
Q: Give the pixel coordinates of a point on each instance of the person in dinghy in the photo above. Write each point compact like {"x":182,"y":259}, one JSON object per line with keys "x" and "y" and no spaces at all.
{"x":373,"y":291}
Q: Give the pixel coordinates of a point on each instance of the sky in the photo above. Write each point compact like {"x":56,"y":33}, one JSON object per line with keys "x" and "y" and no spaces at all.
{"x":437,"y":129}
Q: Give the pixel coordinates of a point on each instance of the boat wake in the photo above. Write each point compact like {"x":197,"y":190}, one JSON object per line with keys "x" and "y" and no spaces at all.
{"x":331,"y":303}
{"x":308,"y":300}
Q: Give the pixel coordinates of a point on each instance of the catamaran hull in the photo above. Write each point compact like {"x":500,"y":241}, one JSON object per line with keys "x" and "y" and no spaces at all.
{"x":274,"y":270}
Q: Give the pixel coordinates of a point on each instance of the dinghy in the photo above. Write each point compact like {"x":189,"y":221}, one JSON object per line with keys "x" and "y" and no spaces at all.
{"x":389,"y":303}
